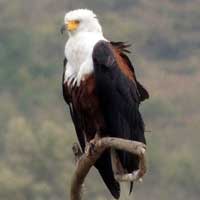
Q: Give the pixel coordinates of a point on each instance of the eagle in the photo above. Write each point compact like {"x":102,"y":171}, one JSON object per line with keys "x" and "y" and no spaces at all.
{"x":101,"y":89}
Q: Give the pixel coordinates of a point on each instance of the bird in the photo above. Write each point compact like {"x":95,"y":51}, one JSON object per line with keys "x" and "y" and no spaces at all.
{"x":102,"y":92}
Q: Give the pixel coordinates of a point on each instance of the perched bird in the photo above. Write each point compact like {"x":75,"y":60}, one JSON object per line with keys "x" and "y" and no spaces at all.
{"x":100,"y":87}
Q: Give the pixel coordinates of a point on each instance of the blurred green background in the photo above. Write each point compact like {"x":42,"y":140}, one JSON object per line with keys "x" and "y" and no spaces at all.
{"x":36,"y":132}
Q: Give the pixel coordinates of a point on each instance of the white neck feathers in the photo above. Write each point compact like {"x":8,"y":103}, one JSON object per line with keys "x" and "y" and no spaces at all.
{"x":78,"y":51}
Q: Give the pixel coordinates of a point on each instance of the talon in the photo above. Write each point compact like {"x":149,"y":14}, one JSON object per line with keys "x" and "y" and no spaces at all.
{"x":136,"y":174}
{"x":87,"y":149}
{"x":90,"y":149}
{"x":143,"y":150}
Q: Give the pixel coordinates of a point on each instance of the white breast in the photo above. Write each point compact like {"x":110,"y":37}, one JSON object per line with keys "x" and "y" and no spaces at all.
{"x":78,"y":51}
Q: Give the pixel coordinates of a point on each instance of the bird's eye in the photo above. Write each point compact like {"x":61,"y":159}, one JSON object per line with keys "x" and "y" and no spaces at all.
{"x":77,"y":21}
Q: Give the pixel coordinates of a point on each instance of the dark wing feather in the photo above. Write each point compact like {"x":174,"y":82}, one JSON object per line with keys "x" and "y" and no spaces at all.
{"x":122,"y":46}
{"x":104,"y":167}
{"x":123,"y":49}
{"x":119,"y":101}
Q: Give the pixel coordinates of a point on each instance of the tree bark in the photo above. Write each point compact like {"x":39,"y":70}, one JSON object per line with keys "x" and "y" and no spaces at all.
{"x":86,"y":160}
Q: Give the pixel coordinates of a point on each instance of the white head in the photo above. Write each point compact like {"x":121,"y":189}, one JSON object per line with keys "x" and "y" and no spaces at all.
{"x":81,"y":20}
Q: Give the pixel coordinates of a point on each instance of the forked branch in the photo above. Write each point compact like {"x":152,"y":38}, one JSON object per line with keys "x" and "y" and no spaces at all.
{"x":87,"y":160}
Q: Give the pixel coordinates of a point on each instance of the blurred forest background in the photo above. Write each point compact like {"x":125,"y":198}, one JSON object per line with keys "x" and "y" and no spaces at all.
{"x":36,"y":132}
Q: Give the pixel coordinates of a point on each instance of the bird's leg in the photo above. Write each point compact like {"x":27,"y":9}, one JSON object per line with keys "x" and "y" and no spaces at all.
{"x":90,"y":146}
{"x":77,"y":152}
{"x":89,"y":149}
{"x":87,"y":146}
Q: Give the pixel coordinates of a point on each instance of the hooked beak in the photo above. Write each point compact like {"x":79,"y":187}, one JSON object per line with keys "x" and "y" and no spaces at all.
{"x":63,"y":28}
{"x":70,"y":26}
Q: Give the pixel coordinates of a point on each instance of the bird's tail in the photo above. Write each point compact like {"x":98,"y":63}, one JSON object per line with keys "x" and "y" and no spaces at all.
{"x":104,"y":167}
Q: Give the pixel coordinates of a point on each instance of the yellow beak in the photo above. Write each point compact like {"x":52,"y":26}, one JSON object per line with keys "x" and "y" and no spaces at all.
{"x":72,"y":25}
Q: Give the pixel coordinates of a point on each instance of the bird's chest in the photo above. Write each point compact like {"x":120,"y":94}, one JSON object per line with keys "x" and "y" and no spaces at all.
{"x":79,"y":50}
{"x":86,"y":103}
{"x":85,"y":97}
{"x":77,"y":53}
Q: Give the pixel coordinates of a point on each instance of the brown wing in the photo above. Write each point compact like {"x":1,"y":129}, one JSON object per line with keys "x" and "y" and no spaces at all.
{"x":119,"y":97}
{"x":120,"y":49}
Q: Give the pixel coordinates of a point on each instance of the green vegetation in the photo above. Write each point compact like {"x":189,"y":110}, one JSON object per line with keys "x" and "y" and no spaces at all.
{"x":36,"y":133}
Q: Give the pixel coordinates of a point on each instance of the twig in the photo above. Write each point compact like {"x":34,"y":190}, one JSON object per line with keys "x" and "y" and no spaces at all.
{"x":87,"y":160}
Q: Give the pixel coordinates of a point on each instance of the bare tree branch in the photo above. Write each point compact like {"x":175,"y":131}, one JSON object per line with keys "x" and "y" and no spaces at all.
{"x":88,"y":159}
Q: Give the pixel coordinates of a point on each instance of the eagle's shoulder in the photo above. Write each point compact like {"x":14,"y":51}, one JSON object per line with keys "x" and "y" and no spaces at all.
{"x":114,"y":54}
{"x":102,"y":53}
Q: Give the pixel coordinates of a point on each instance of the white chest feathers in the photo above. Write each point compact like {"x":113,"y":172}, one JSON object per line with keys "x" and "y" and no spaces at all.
{"x":78,"y":51}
